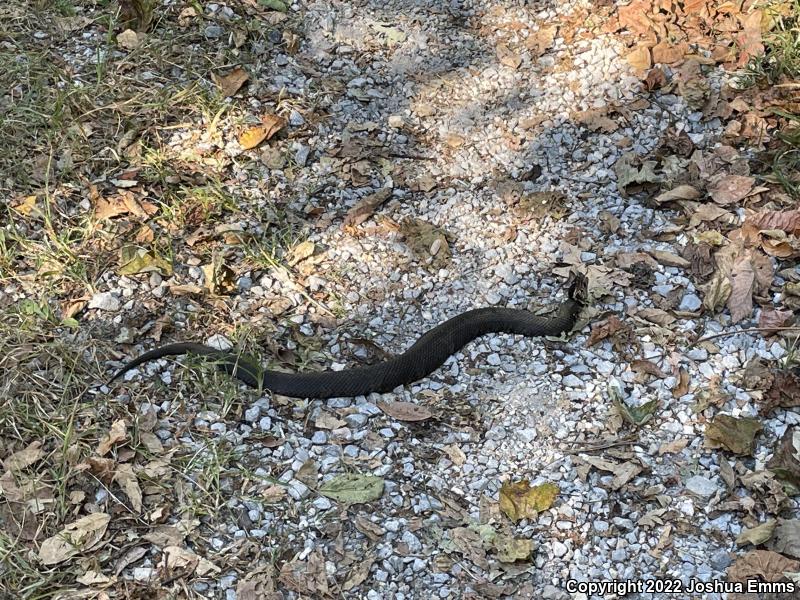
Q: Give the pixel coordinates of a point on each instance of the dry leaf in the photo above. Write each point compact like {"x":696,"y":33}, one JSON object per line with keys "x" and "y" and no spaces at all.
{"x":734,"y":434}
{"x":681,"y":192}
{"x":24,"y":458}
{"x":127,"y":481}
{"x":522,"y":501}
{"x":117,"y":433}
{"x":771,"y":320}
{"x":757,"y":535}
{"x":740,"y":301}
{"x":639,"y":59}
{"x":74,"y":539}
{"x":366,"y":207}
{"x":405,"y":411}
{"x":769,"y":566}
{"x":655,"y":315}
{"x":673,"y":447}
{"x":729,"y":189}
{"x":359,"y":573}
{"x":786,"y":538}
{"x":231,"y":83}
{"x":785,"y":461}
{"x":253,"y":136}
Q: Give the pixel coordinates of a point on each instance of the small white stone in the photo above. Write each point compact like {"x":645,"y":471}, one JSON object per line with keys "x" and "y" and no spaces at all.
{"x":105,"y":301}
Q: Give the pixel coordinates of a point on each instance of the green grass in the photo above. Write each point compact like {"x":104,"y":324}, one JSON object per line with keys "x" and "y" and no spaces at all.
{"x":781,"y":58}
{"x":786,"y":161}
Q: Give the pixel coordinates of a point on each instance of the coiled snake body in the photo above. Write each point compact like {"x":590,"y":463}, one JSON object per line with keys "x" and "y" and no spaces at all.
{"x":427,"y":354}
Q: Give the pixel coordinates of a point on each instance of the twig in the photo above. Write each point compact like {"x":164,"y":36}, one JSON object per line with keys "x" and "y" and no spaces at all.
{"x":746,"y":330}
{"x":594,"y":447}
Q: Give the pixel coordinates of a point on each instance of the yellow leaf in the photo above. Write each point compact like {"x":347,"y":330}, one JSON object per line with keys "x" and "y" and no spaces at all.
{"x":521,"y":501}
{"x":270,"y":125}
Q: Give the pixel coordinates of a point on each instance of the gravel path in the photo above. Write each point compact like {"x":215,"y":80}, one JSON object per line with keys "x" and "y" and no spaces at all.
{"x":456,"y":114}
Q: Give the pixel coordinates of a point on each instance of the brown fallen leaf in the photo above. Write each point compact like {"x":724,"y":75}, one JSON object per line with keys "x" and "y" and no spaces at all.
{"x":670,"y":259}
{"x":740,"y":301}
{"x":117,"y":433}
{"x":127,"y":481}
{"x":785,"y":461}
{"x":771,"y":320}
{"x":405,"y":411}
{"x":682,"y":387}
{"x":258,"y":584}
{"x":76,"y":537}
{"x":768,"y":565}
{"x":231,"y":83}
{"x":673,"y":447}
{"x":647,"y":367}
{"x":366,"y":207}
{"x":24,"y":458}
{"x":681,"y":192}
{"x":656,"y":79}
{"x":785,"y":220}
{"x":359,"y":573}
{"x":786,"y":538}
{"x":734,"y":434}
{"x":656,"y":315}
{"x":306,"y":576}
{"x":729,"y":189}
{"x":270,"y":125}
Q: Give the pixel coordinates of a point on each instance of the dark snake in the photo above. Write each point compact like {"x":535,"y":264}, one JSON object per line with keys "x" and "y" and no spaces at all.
{"x":427,"y":354}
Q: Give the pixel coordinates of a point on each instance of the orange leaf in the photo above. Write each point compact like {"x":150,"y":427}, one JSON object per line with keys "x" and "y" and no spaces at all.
{"x":270,"y":125}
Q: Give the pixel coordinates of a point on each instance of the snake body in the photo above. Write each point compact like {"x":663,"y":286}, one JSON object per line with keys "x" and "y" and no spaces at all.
{"x":426,"y":355}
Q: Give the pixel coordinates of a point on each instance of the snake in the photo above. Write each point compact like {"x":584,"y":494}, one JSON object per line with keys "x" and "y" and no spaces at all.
{"x":426,"y":355}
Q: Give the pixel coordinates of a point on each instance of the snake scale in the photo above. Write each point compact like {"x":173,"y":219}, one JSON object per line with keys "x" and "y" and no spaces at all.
{"x":426,"y":355}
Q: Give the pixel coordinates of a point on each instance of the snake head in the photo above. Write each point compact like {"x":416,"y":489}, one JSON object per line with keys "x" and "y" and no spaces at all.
{"x":578,"y":288}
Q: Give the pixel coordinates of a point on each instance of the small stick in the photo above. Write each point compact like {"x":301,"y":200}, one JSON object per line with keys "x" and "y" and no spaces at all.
{"x":747,"y":330}
{"x":603,"y":446}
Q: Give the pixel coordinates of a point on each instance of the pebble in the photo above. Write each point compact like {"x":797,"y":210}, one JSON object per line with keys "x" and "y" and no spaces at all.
{"x":496,"y":433}
{"x":690,"y":303}
{"x":106,"y":301}
{"x":559,"y":549}
{"x":701,"y":486}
